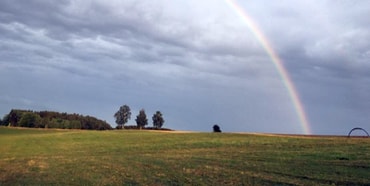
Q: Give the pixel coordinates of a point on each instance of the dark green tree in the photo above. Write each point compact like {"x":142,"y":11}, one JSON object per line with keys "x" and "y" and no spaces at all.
{"x":6,"y":120}
{"x":14,"y":117}
{"x":158,"y":120}
{"x":122,"y":115}
{"x":141,"y":119}
{"x":29,"y":119}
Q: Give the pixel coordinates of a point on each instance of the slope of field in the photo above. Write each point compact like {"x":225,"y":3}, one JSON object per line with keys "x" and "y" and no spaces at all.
{"x":75,"y":157}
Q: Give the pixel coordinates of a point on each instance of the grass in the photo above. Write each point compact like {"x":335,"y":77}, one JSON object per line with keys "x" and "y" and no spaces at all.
{"x":74,"y":157}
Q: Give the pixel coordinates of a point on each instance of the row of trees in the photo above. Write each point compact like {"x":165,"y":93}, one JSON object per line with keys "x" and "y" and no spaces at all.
{"x":124,"y":114}
{"x":49,"y":119}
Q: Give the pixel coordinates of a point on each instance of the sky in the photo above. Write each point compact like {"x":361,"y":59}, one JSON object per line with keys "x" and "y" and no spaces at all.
{"x":195,"y":61}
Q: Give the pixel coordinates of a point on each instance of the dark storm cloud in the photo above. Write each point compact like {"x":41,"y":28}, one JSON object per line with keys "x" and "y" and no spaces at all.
{"x":198,"y":67}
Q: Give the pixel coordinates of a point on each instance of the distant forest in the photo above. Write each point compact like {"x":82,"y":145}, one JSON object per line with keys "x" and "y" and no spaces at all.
{"x":50,"y":119}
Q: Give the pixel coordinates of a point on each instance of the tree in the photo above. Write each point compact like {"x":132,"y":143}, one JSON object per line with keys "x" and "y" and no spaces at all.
{"x":30,"y":119}
{"x":14,"y":117}
{"x":141,"y":120}
{"x":216,"y":128}
{"x":122,"y":115}
{"x":158,"y":120}
{"x":6,"y":120}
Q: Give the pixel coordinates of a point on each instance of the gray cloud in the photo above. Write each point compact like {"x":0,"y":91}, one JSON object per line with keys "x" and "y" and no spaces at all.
{"x":198,"y":67}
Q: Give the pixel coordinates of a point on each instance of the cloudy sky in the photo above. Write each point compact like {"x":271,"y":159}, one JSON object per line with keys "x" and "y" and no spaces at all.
{"x":195,"y":61}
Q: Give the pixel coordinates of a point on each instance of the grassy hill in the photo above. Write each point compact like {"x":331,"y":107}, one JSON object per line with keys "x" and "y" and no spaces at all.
{"x":76,"y":157}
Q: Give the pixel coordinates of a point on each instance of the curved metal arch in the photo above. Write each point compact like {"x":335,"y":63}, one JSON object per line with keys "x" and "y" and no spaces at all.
{"x":357,"y":128}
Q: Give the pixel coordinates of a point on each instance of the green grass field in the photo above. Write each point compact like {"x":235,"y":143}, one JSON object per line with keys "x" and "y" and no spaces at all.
{"x":74,"y":157}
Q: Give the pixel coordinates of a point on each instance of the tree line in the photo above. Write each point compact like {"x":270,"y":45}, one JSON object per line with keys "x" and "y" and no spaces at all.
{"x":50,"y":119}
{"x":124,"y":114}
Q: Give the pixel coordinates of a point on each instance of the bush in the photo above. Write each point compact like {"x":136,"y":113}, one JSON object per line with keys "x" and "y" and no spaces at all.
{"x":30,"y":119}
{"x":216,"y":128}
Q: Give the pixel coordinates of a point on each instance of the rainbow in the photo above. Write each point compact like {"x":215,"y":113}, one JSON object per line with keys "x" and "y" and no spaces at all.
{"x":288,"y":83}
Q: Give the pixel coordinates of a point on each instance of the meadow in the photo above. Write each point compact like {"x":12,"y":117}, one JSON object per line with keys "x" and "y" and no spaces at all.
{"x":132,"y":157}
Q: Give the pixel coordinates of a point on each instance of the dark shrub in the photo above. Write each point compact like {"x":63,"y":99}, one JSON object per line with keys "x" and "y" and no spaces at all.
{"x":216,"y":128}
